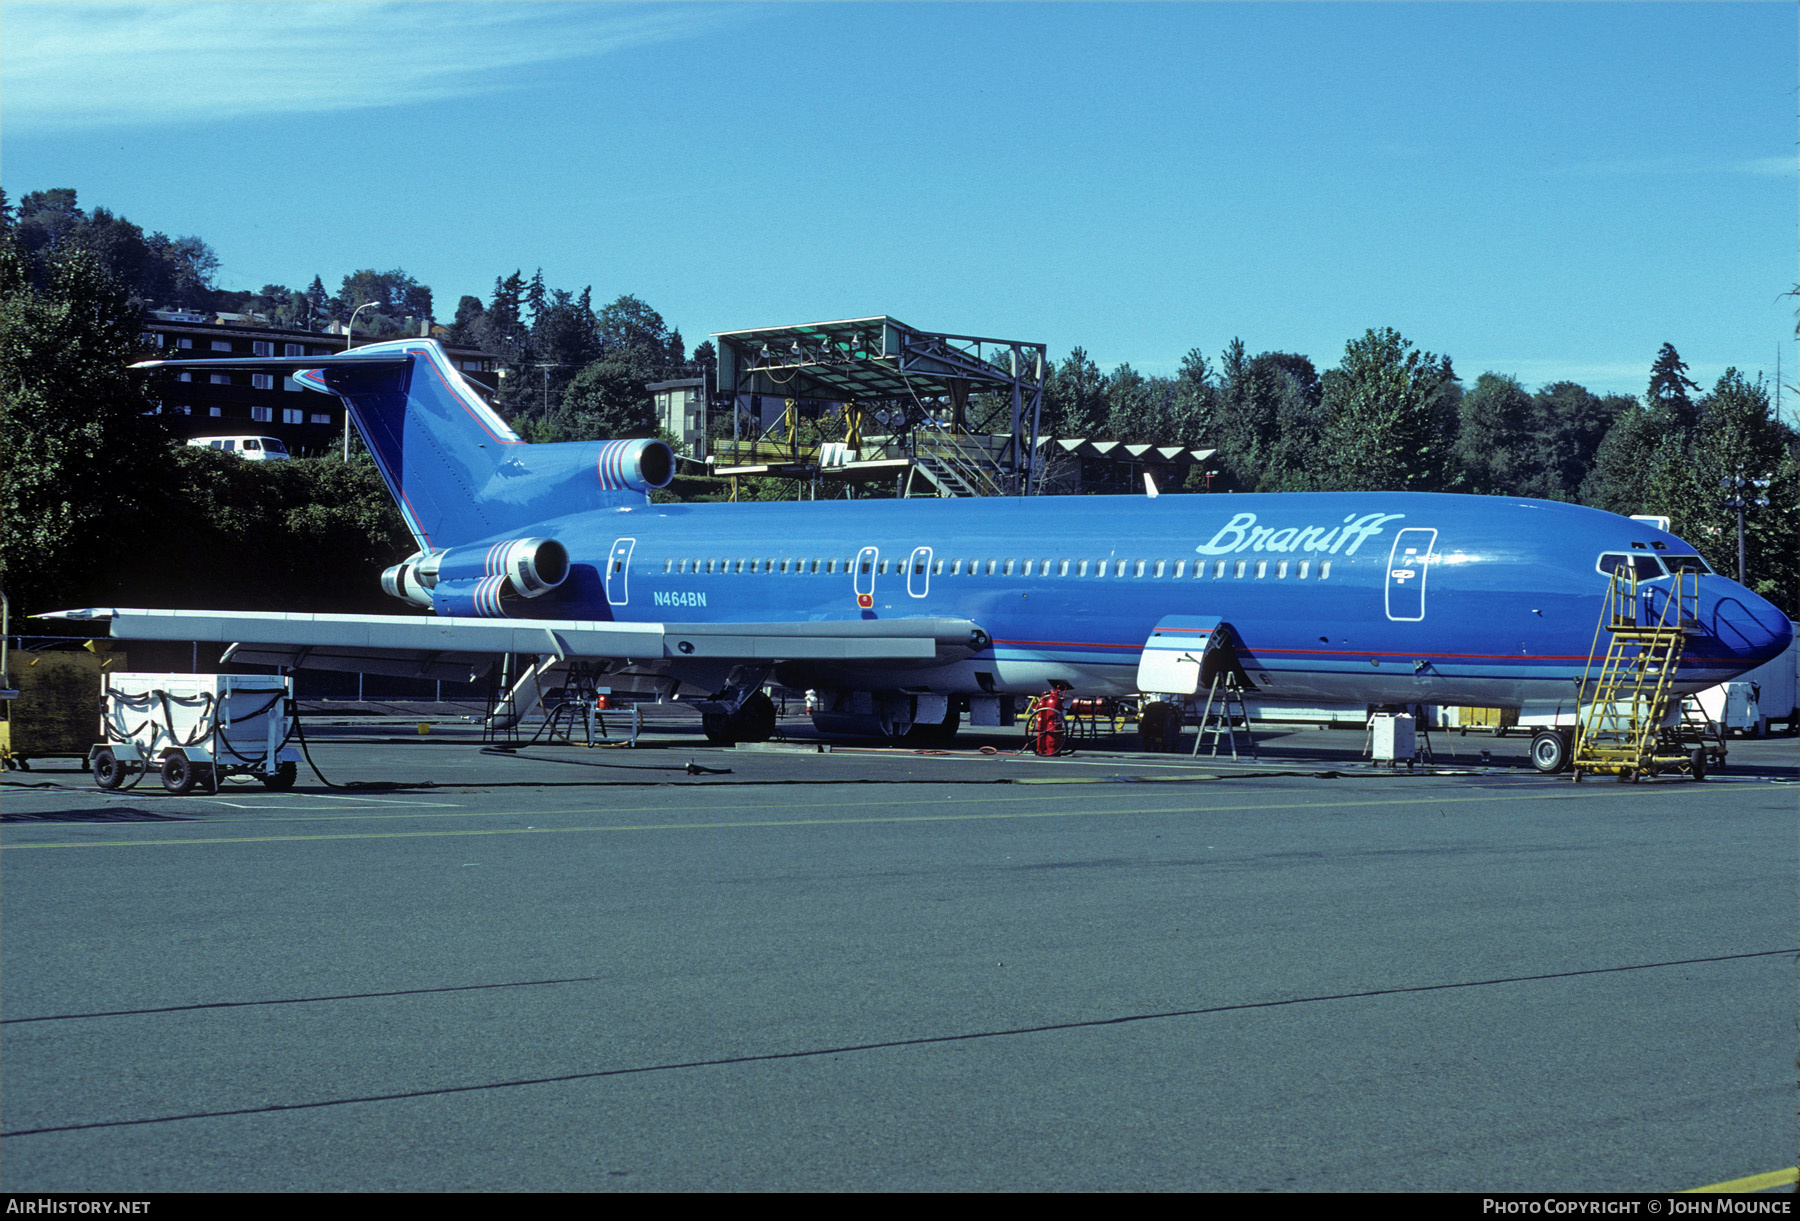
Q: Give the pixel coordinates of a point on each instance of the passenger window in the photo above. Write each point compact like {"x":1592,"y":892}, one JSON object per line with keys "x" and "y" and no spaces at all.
{"x":1062,"y":569}
{"x":1239,"y":574}
{"x":1262,"y":569}
{"x":1281,"y":571}
{"x":1180,"y":567}
{"x":1324,"y":569}
{"x":669,"y":564}
{"x":1159,"y":567}
{"x":1304,"y":565}
{"x":1139,"y":570}
{"x":1119,"y":569}
{"x":1009,"y":567}
{"x":1219,"y":570}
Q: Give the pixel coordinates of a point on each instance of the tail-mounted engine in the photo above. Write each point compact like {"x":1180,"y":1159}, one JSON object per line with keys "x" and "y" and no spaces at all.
{"x":475,"y":580}
{"x":639,"y":465}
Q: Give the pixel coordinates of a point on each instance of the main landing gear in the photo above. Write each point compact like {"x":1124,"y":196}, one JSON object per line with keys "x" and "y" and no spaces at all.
{"x":754,"y":721}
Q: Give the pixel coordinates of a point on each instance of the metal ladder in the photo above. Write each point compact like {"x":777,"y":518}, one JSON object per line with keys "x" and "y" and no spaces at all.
{"x":1215,"y":717}
{"x":1623,"y":696}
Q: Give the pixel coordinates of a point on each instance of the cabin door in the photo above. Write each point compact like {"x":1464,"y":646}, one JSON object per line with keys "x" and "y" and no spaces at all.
{"x":864,"y":576}
{"x":618,"y":572}
{"x":1408,"y":564}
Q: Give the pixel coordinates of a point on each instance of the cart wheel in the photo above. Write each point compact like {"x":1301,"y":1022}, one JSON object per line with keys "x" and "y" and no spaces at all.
{"x":179,"y":774}
{"x":1697,"y":762}
{"x":109,"y":773}
{"x":282,"y":777}
{"x":1627,"y":775}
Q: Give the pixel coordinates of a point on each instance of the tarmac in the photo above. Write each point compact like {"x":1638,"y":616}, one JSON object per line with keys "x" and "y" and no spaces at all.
{"x":687,"y":967}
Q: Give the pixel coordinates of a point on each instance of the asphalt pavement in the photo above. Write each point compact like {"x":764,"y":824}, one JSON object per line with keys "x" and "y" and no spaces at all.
{"x":684,"y":967}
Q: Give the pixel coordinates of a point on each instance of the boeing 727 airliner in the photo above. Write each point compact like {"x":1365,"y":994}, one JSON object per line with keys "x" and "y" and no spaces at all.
{"x":905,"y":614}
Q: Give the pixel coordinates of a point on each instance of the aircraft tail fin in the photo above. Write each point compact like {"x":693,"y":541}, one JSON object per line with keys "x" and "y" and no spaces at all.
{"x":456,"y":470}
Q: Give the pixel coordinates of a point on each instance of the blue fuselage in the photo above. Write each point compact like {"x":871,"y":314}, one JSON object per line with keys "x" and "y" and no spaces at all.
{"x":1377,"y":597}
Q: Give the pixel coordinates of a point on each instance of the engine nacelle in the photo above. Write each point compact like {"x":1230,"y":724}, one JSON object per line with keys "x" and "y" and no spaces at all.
{"x":413,"y":578}
{"x":639,"y":465}
{"x":474,"y":580}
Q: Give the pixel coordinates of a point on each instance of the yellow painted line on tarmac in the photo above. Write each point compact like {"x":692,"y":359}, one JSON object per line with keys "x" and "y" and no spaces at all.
{"x":781,"y":822}
{"x":1756,"y":1182}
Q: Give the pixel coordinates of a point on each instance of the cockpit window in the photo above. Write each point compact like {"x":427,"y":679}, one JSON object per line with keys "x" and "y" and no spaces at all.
{"x":1686,"y":563}
{"x":1646,"y":566}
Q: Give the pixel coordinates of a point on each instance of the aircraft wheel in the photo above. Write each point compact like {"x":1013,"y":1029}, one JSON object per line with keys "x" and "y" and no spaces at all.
{"x":1697,"y":762}
{"x":755,"y":719}
{"x":282,"y":777}
{"x":928,"y":735}
{"x":1159,"y":727}
{"x":179,"y":774}
{"x":109,"y":773}
{"x":718,"y":728}
{"x":1549,"y":752}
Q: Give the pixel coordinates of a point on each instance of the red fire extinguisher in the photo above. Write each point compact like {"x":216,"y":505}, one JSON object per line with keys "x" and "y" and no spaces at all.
{"x":1045,"y":725}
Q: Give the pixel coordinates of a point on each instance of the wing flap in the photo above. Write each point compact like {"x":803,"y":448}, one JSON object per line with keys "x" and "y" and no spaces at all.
{"x":345,"y":642}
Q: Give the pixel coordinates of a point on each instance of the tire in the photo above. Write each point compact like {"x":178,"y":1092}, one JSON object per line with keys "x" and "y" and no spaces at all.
{"x":1697,"y":763}
{"x":925,"y":734}
{"x":755,"y":719}
{"x":109,"y":773}
{"x":282,"y":777}
{"x":718,"y":728}
{"x":179,"y":774}
{"x":1549,"y":752}
{"x":1159,"y":727}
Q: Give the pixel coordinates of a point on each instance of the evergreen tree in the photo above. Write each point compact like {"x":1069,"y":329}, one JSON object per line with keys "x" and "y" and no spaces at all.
{"x":1669,"y":386}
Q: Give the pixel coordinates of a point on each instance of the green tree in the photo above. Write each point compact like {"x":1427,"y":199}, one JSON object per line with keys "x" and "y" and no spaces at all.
{"x":1389,"y":416}
{"x":1074,"y":399}
{"x":1568,"y":424}
{"x":1669,"y":386}
{"x":78,"y":449}
{"x":1496,"y":441}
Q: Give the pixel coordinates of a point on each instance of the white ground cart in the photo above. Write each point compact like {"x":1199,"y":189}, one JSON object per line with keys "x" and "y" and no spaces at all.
{"x":194,"y":730}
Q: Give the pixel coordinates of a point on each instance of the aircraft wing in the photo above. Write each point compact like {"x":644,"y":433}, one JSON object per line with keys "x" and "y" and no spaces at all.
{"x":463,"y":649}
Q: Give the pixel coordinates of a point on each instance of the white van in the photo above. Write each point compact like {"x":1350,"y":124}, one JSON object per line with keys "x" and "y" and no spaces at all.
{"x":257,"y":449}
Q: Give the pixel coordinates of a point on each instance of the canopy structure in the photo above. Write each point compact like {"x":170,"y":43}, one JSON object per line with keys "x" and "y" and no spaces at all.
{"x":916,"y":383}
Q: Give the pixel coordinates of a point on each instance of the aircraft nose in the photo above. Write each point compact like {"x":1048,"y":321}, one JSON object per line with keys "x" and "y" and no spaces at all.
{"x":1750,"y":626}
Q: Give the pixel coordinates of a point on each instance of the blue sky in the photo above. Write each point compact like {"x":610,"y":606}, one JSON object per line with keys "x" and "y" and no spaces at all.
{"x":1550,"y":191}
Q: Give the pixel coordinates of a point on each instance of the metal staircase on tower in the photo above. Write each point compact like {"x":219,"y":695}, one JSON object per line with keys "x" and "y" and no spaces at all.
{"x":1624,"y":724}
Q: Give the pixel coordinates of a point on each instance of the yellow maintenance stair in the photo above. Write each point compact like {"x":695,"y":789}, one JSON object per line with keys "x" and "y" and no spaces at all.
{"x":1624,"y":727}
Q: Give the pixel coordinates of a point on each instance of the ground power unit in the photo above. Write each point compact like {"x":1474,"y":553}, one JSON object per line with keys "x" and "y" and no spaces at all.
{"x":194,"y":730}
